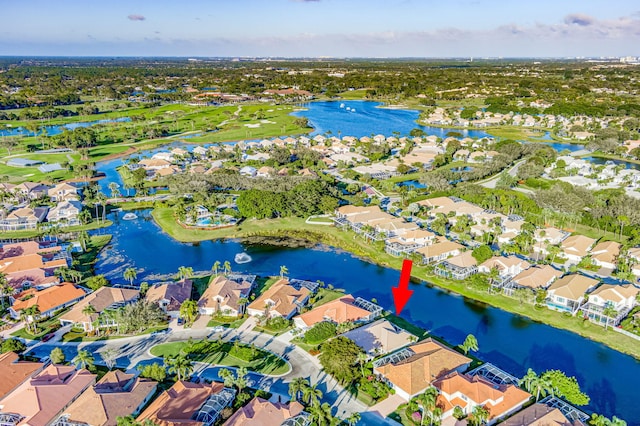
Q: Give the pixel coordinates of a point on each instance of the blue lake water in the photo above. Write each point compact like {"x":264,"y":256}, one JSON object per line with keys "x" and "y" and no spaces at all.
{"x":412,"y":184}
{"x":56,"y":130}
{"x":368,"y":119}
{"x":512,"y":342}
{"x":599,"y":160}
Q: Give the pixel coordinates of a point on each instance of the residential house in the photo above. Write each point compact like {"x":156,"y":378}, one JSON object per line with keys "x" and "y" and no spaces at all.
{"x":32,"y":264}
{"x":23,"y":218}
{"x":117,"y":394}
{"x":339,"y":311}
{"x":260,"y":412}
{"x":439,"y":251}
{"x":634,"y":256}
{"x":621,"y":297}
{"x":414,"y":368}
{"x":605,"y":254}
{"x":467,"y":392}
{"x":248,"y":171}
{"x":507,"y":266}
{"x":458,"y":267}
{"x":280,"y":300}
{"x":188,"y":404}
{"x":544,"y":237}
{"x":15,"y":372}
{"x":224,"y":295}
{"x":39,"y":400}
{"x":539,"y":276}
{"x":575,"y":247}
{"x":539,"y":415}
{"x":63,"y":192}
{"x":153,"y":164}
{"x":380,"y":337}
{"x":66,"y":213}
{"x":49,"y":300}
{"x":567,"y":294}
{"x":407,"y":243}
{"x":31,"y":190}
{"x":265,"y":171}
{"x":169,"y":296}
{"x":101,"y":300}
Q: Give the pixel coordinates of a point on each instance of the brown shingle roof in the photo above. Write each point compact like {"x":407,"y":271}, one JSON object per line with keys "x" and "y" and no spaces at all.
{"x":15,"y":372}
{"x":175,"y":293}
{"x":538,"y":415}
{"x":260,"y":412}
{"x":283,"y":296}
{"x":431,"y":361}
{"x":178,"y":405}
{"x":228,"y":291}
{"x":116,"y":394}
{"x":573,"y":286}
{"x":537,"y":276}
{"x":100,"y":299}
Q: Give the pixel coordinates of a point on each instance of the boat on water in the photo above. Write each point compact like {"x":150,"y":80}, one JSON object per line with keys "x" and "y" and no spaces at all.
{"x":241,"y":258}
{"x":130,"y":216}
{"x":341,"y":105}
{"x":348,"y":108}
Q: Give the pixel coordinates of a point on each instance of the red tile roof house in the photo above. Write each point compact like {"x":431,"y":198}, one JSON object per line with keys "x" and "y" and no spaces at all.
{"x":49,"y":300}
{"x":338,"y":311}
{"x":468,"y":392}
{"x":259,"y":412}
{"x":40,"y":400}
{"x":15,"y":372}
{"x":31,"y":264}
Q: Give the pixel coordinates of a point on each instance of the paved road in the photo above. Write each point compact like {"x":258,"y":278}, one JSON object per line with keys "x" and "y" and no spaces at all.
{"x":491,"y":183}
{"x":135,"y":350}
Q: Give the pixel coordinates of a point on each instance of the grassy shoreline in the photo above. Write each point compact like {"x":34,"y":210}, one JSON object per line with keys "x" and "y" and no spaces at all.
{"x":296,"y":228}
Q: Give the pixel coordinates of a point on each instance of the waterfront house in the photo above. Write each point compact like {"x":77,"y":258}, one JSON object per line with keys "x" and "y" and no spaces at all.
{"x":63,"y":192}
{"x":261,"y":412}
{"x":539,"y":415}
{"x":31,"y":190}
{"x":223,"y":296}
{"x":169,"y":296}
{"x":605,"y":254}
{"x":621,"y":297}
{"x":413,"y":369}
{"x":280,"y":300}
{"x":153,"y":164}
{"x":15,"y":372}
{"x":634,"y":256}
{"x":507,"y":266}
{"x":23,"y":218}
{"x":117,"y":394}
{"x":189,"y":404}
{"x":49,"y":300}
{"x":467,"y":392}
{"x":458,"y":267}
{"x":439,"y":251}
{"x":547,"y":236}
{"x":339,"y":311}
{"x":39,"y":400}
{"x":66,"y":213}
{"x":539,"y":276}
{"x":567,"y":294}
{"x":408,"y":242}
{"x":380,"y":337}
{"x":575,"y":247}
{"x":101,"y":300}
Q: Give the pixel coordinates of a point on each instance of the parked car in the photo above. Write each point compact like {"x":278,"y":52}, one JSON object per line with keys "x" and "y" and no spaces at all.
{"x":180,"y":321}
{"x":48,"y":337}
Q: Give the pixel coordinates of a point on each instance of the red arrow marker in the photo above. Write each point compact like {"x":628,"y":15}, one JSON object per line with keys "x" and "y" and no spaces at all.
{"x":401,"y":294}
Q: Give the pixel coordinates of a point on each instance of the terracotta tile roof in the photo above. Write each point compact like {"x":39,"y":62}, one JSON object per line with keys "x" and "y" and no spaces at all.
{"x":27,"y":247}
{"x":573,"y":286}
{"x":431,"y":361}
{"x":577,"y":245}
{"x":175,"y":293}
{"x":222,"y":292}
{"x":25,"y":262}
{"x":437,"y":202}
{"x":538,"y":415}
{"x":177,"y":406}
{"x":616,"y":293}
{"x":339,"y":311}
{"x":42,"y":398}
{"x":439,"y":249}
{"x":116,"y":394}
{"x":606,"y":251}
{"x":537,"y":276}
{"x":50,"y":298}
{"x":497,"y":399}
{"x":283,"y":296}
{"x":15,"y":372}
{"x":463,"y":260}
{"x":100,"y":299}
{"x":380,"y":337}
{"x":505,"y":262}
{"x":259,"y":412}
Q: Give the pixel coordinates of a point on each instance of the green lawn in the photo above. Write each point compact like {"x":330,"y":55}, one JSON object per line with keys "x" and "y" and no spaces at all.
{"x":45,"y":326}
{"x":229,"y":322}
{"x":77,"y":336}
{"x":266,"y":362}
{"x":87,"y":259}
{"x":30,"y":233}
{"x":325,"y":295}
{"x":420,"y":333}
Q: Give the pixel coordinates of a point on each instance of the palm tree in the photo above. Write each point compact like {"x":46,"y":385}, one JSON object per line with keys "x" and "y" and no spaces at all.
{"x":227,"y":267}
{"x":84,"y":359}
{"x":215,"y":267}
{"x":353,"y":419}
{"x":311,"y":395}
{"x":102,"y":200}
{"x":598,"y":420}
{"x":185,"y":272}
{"x":362,"y":360}
{"x":470,"y":344}
{"x":283,"y":271}
{"x":297,"y":386}
{"x":89,"y":310}
{"x":479,"y":415}
{"x":115,"y":189}
{"x":321,"y":415}
{"x":144,"y":287}
{"x":33,"y":312}
{"x":609,"y":313}
{"x":6,"y":289}
{"x":130,"y":274}
{"x":227,"y":377}
{"x":180,"y":365}
{"x":242,"y":381}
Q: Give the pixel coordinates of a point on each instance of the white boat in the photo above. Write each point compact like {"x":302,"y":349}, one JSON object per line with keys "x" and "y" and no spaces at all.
{"x":353,"y":110}
{"x":130,"y":216}
{"x":348,"y":108}
{"x":341,"y":105}
{"x":241,"y":258}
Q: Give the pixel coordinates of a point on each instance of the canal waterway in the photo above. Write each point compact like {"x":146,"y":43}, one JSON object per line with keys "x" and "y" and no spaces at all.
{"x":512,"y":342}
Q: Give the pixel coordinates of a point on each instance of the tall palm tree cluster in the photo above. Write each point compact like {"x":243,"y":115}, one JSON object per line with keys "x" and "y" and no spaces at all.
{"x":226,"y":267}
{"x":301,"y":389}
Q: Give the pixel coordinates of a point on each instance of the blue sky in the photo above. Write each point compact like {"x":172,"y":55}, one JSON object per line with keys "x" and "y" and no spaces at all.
{"x":311,"y":28}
